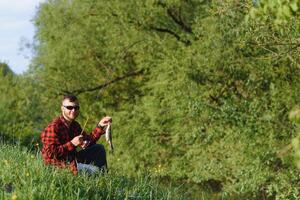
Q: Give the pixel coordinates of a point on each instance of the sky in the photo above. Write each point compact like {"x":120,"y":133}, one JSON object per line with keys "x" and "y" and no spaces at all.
{"x":16,"y":29}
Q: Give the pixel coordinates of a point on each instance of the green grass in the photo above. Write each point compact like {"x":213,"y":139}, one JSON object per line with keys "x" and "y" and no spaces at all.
{"x":24,"y":176}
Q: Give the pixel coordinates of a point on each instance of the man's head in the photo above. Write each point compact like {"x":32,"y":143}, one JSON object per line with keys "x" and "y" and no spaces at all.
{"x":70,"y":107}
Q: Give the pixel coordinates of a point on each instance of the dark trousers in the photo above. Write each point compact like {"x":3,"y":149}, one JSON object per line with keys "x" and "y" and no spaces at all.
{"x":94,"y":154}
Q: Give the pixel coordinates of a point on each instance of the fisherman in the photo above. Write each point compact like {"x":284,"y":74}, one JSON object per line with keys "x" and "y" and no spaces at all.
{"x":64,"y":135}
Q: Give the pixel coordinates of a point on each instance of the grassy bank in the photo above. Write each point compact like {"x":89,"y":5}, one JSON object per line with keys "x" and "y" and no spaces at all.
{"x":24,"y":176}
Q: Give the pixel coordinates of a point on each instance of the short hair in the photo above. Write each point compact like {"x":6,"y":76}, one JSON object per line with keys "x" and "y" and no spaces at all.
{"x":71,"y":97}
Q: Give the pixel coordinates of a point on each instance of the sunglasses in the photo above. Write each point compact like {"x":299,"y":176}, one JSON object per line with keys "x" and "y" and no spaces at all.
{"x":72,"y":107}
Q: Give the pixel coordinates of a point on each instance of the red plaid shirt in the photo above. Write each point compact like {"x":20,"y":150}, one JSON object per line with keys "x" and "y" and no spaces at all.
{"x":57,"y":147}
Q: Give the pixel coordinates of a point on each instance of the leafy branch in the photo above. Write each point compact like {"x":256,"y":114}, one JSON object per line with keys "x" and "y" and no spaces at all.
{"x":177,"y":18}
{"x":165,"y":30}
{"x":106,"y":84}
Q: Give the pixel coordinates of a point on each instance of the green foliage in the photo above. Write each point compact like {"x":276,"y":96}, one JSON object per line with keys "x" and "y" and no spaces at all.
{"x":19,"y":109}
{"x":294,"y":116}
{"x":280,"y":10}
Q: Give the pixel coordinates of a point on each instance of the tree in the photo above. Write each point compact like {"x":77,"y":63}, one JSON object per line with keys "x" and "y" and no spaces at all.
{"x":19,"y":109}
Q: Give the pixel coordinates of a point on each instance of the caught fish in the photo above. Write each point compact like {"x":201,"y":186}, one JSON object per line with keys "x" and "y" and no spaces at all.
{"x":108,"y":137}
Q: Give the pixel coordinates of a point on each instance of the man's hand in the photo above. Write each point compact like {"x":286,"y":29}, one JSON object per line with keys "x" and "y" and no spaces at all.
{"x":85,"y":144}
{"x":77,"y":140}
{"x":105,"y":121}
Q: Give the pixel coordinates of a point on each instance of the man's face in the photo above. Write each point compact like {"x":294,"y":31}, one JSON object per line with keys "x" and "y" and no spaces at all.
{"x":70,"y":110}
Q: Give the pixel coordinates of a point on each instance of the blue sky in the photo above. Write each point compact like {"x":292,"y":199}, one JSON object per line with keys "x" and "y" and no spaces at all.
{"x":16,"y":28}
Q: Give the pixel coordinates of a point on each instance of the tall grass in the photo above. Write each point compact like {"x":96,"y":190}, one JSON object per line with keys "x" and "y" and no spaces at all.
{"x":24,"y":176}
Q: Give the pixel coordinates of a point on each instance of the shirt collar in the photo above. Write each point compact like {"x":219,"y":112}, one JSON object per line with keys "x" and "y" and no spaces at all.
{"x":64,"y":121}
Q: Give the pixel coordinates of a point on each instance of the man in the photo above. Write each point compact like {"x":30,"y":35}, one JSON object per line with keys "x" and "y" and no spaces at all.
{"x":63,"y":135}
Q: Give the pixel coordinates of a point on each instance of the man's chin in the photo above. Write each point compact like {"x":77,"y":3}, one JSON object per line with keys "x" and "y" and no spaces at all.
{"x":73,"y":117}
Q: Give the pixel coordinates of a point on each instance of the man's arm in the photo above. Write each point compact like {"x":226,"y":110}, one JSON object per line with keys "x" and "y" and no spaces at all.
{"x":96,"y":133}
{"x":53,"y":146}
{"x":94,"y":136}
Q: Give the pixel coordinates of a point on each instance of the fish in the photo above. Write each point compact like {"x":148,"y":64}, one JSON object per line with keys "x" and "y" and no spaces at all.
{"x":108,"y":137}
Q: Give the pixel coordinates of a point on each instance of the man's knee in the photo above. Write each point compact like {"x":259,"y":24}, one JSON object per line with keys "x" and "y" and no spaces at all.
{"x":99,"y":155}
{"x":99,"y":148}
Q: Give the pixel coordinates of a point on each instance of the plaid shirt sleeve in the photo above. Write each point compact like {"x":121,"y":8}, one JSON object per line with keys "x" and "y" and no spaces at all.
{"x":53,"y":146}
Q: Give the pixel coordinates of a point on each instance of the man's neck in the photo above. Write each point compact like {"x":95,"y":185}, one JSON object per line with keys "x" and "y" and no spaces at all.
{"x":67,"y":121}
